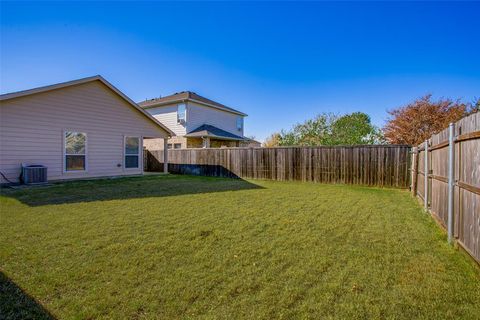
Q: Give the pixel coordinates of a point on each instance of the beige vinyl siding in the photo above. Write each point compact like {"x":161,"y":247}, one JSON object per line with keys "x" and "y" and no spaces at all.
{"x":167,"y":115}
{"x":198,"y":115}
{"x":32,"y":130}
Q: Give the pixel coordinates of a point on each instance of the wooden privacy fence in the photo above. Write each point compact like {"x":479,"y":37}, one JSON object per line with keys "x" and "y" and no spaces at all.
{"x":378,"y":165}
{"x":450,"y":190}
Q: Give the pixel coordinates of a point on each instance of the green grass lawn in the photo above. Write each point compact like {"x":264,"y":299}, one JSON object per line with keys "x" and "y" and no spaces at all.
{"x":178,"y":247}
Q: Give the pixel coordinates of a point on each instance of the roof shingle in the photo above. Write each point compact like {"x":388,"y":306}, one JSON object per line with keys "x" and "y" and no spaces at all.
{"x":184,"y":96}
{"x":207,"y":130}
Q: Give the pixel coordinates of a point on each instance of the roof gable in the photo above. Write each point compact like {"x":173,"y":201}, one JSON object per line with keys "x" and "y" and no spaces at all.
{"x":13,"y":95}
{"x":187,"y":96}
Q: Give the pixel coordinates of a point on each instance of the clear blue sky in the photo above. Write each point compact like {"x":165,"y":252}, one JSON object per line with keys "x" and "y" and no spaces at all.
{"x":279,"y":62}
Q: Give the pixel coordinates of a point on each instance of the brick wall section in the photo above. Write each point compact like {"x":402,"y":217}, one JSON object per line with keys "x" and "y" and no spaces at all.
{"x":223,"y":143}
{"x":157,"y":144}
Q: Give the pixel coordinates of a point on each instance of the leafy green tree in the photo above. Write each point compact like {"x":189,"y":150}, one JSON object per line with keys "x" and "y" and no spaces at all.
{"x":310,"y":133}
{"x":353,"y":129}
{"x":330,"y":129}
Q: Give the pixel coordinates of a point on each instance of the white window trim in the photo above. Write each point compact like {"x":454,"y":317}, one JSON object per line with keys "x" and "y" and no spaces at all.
{"x":185,"y":119}
{"x":140,"y":152}
{"x":64,"y":152}
{"x":237,"y":122}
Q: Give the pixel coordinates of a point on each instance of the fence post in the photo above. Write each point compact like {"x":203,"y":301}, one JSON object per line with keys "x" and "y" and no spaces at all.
{"x":451,"y":179}
{"x":165,"y":155}
{"x":145,"y":160}
{"x":425,"y":170}
{"x":413,"y":169}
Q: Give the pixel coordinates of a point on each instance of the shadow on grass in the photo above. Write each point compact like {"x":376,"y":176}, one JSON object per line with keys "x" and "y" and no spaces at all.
{"x":152,"y":164}
{"x":125,"y":188}
{"x":15,"y":303}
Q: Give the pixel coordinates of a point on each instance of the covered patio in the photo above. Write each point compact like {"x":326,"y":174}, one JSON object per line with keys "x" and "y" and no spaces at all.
{"x":208,"y":136}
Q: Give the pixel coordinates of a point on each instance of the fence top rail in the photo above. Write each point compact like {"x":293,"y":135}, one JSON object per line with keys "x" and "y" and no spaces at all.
{"x":468,"y":136}
{"x":465,"y":129}
{"x":463,"y":137}
{"x":302,"y":147}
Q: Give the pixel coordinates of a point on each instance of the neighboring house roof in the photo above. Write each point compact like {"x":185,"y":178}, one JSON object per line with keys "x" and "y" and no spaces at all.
{"x":253,"y":141}
{"x":187,"y":96}
{"x":210,"y":131}
{"x":18,"y":94}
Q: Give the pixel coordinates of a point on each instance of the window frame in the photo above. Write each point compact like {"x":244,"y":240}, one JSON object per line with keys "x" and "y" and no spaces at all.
{"x":185,"y":114}
{"x":177,"y":144}
{"x":139,"y":154}
{"x":65,"y":154}
{"x":239,"y":120}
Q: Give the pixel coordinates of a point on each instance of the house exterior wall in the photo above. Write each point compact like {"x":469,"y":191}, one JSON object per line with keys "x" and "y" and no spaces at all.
{"x":157,"y":144}
{"x":167,"y":115}
{"x":198,"y":115}
{"x":215,"y":143}
{"x":194,"y":143}
{"x":32,"y":131}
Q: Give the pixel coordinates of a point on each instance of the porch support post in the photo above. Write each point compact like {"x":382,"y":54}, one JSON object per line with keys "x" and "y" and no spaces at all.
{"x":165,"y":155}
{"x":206,"y":142}
{"x":451,"y":179}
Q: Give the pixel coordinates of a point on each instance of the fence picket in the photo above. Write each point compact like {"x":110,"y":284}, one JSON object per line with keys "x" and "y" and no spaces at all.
{"x":464,"y":199}
{"x":365,"y":165}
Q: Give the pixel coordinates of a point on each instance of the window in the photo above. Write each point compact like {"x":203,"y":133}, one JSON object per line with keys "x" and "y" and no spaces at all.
{"x":169,"y":146}
{"x":75,"y":151}
{"x":177,"y":146}
{"x":132,"y":152}
{"x":239,"y":123}
{"x":181,"y":113}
